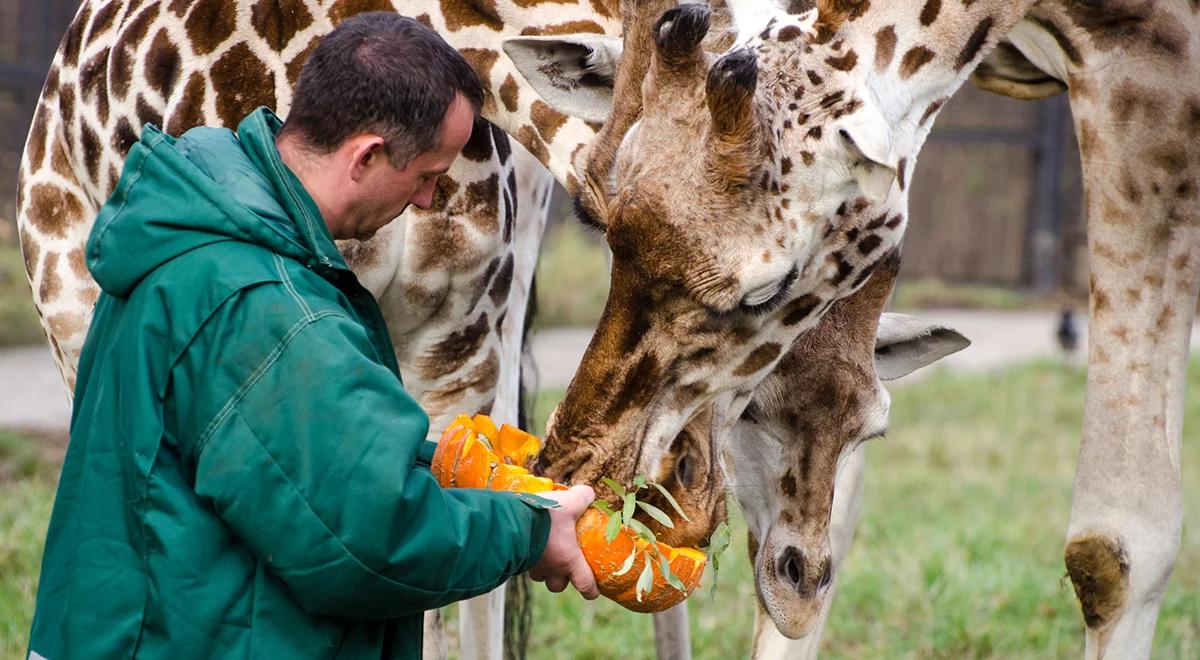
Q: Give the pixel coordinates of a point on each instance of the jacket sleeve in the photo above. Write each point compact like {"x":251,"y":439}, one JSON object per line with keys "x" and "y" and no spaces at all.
{"x":313,"y":462}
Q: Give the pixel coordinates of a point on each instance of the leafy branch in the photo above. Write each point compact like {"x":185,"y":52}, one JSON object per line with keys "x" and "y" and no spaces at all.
{"x":649,"y":549}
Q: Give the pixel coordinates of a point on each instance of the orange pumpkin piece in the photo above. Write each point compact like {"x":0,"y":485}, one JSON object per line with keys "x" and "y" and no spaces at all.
{"x":606,"y":558}
{"x":516,"y":446}
{"x":473,"y":453}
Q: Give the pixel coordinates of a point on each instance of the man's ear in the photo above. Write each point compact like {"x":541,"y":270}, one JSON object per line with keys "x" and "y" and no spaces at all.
{"x":364,"y":150}
{"x":905,"y":343}
{"x":573,"y":73}
{"x":867,"y":138}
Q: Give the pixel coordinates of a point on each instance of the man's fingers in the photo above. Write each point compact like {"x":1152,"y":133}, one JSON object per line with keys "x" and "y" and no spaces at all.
{"x":556,"y":584}
{"x":583,"y":579}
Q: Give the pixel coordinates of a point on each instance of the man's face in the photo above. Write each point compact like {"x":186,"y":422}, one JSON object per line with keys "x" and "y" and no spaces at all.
{"x":384,"y":191}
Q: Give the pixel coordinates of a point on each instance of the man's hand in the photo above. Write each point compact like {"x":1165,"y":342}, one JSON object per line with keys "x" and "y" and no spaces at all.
{"x":562,"y":561}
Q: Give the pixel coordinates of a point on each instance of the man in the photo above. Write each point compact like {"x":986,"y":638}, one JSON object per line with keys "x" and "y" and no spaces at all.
{"x":246,"y":475}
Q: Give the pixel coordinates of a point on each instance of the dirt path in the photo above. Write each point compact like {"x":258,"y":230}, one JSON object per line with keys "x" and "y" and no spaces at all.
{"x":32,"y":394}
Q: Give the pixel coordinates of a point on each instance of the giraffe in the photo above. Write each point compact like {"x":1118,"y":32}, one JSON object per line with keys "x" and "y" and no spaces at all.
{"x":125,"y":63}
{"x":884,"y":70}
{"x":452,"y":281}
{"x":795,"y":461}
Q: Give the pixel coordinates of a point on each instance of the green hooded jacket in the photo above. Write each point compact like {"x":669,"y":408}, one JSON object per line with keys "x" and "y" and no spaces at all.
{"x":247,"y":477}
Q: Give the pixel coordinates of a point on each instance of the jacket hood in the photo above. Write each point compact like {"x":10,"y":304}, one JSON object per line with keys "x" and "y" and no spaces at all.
{"x":209,"y":185}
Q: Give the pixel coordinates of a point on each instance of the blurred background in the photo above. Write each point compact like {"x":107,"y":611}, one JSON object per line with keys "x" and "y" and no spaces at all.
{"x":959,"y":550}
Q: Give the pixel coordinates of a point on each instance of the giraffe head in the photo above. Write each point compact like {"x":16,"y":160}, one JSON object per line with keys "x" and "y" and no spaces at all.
{"x":746,"y":193}
{"x":823,"y":399}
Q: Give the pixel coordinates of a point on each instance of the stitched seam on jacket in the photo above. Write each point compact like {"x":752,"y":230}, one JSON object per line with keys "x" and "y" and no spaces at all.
{"x":237,"y":396}
{"x":287,"y":283}
{"x":279,"y":172}
{"x":132,"y":180}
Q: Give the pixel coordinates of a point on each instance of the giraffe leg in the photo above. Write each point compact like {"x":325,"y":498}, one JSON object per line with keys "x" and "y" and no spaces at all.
{"x":1127,"y":512}
{"x":433,"y":641}
{"x":847,"y":505}
{"x":481,"y":626}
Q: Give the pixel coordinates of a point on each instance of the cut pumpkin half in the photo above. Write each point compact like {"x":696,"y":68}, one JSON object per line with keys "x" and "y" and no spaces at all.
{"x":474,"y":453}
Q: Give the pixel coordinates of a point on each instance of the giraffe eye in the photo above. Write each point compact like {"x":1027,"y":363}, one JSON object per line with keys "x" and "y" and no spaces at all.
{"x":686,"y":471}
{"x":760,"y":302}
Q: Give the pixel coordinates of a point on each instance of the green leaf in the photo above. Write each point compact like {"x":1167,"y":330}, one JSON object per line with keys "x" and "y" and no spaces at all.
{"x":640,"y":481}
{"x":627,"y":510}
{"x":613,"y":528}
{"x":642,"y":531}
{"x":718,"y":543}
{"x":665,"y":567}
{"x":674,"y":504}
{"x":603,"y":506}
{"x":616,"y":487}
{"x":628,"y":563}
{"x":645,"y":580}
{"x":657,"y":514}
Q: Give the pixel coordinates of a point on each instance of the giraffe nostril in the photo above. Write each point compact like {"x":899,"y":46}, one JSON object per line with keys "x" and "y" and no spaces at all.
{"x":826,"y":575}
{"x":791,"y":567}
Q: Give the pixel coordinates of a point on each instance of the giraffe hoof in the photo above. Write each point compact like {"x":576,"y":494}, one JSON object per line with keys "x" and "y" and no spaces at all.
{"x":1099,"y":570}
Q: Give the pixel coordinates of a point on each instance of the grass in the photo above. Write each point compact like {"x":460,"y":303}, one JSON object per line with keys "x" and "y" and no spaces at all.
{"x":959,"y":549}
{"x":19,"y":322}
{"x":958,"y":553}
{"x":28,"y":467}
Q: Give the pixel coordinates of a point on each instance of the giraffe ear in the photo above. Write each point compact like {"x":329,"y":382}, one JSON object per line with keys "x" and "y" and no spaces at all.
{"x":574,"y":73}
{"x":905,"y":343}
{"x":867,"y":138}
{"x":1029,"y":63}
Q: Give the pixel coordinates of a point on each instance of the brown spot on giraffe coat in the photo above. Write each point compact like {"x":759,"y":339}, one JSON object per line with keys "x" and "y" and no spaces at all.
{"x":459,"y":15}
{"x":885,"y":47}
{"x":51,"y":283}
{"x":189,"y":112}
{"x":29,"y":253}
{"x":912,"y":61}
{"x":73,"y":40}
{"x":242,"y":83}
{"x":277,"y":21}
{"x":758,"y":358}
{"x":974,"y":43}
{"x":297,"y":64}
{"x":162,"y":64}
{"x":508,"y":93}
{"x":929,"y":12}
{"x":546,"y":119}
{"x":569,"y":27}
{"x":209,"y":24}
{"x":53,"y":210}
{"x":455,"y":349}
{"x":479,"y":146}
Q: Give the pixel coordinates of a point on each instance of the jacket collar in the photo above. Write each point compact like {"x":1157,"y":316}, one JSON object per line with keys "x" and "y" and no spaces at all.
{"x":257,"y":133}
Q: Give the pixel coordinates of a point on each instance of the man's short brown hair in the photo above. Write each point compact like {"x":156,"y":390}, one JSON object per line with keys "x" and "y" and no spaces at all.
{"x":380,"y":73}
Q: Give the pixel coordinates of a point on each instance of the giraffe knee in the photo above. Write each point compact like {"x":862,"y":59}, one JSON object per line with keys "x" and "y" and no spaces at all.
{"x":1099,"y":570}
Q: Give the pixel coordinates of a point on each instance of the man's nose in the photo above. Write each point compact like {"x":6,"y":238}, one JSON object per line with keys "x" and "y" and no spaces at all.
{"x":423,"y":198}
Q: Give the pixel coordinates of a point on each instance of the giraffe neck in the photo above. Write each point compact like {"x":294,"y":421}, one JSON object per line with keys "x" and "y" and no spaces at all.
{"x":478,"y":29}
{"x":914,"y":55}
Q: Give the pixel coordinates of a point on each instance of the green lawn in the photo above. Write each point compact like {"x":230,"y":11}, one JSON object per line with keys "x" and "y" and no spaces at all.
{"x":958,"y":553}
